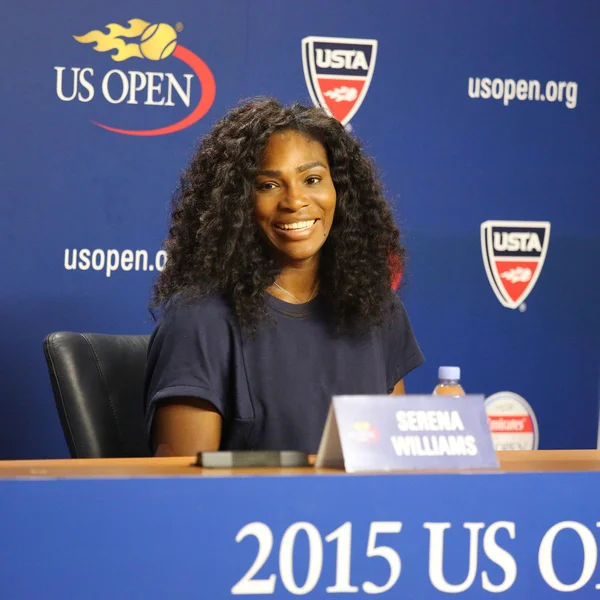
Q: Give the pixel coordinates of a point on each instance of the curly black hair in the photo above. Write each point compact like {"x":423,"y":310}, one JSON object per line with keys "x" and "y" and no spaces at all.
{"x":215,"y":245}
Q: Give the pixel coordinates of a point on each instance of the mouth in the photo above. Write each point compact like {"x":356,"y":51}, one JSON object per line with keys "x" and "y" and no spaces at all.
{"x":297,"y":226}
{"x":297,"y":231}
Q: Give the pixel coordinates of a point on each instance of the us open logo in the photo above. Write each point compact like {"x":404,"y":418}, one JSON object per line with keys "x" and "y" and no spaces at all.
{"x":152,"y":45}
{"x":513,"y":254}
{"x":338,"y":73}
{"x":364,"y":433}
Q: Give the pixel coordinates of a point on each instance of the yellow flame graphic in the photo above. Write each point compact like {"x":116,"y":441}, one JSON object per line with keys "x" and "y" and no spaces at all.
{"x":362,"y":425}
{"x":156,"y":41}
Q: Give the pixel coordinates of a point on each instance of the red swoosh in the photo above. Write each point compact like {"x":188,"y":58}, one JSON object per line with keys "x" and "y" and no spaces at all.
{"x":396,"y":270}
{"x":207,"y":83}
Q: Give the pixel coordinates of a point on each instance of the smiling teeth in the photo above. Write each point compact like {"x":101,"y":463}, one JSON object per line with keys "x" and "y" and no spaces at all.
{"x":299,"y":225}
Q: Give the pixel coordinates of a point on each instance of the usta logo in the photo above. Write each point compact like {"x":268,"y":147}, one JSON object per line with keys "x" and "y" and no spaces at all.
{"x":513,"y":254}
{"x":341,"y":59}
{"x":338,"y":73}
{"x":154,"y":42}
{"x":517,"y":242}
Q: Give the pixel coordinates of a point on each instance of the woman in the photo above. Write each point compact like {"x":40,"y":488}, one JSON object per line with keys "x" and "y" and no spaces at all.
{"x":276,"y":294}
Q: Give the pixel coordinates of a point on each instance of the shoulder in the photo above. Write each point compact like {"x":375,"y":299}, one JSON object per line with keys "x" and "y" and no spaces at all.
{"x":208,"y":310}
{"x":189,"y":352}
{"x":401,"y":349}
{"x":397,"y":329}
{"x":394,"y":312}
{"x":207,"y":317}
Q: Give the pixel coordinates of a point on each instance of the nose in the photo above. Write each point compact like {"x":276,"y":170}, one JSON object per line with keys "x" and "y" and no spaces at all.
{"x":293,"y":199}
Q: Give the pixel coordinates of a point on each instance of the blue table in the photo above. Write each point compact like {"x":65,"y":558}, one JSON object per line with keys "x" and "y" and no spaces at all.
{"x":162,"y":529}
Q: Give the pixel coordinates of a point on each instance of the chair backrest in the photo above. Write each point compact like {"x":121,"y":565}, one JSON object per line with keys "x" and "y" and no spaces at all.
{"x":98,"y":386}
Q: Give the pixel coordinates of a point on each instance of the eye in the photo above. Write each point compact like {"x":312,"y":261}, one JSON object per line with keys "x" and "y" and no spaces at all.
{"x":313,"y":179}
{"x":268,"y":185}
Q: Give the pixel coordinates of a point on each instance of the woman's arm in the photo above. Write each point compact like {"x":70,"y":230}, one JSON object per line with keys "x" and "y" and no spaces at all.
{"x":399,"y":389}
{"x":186,"y":426}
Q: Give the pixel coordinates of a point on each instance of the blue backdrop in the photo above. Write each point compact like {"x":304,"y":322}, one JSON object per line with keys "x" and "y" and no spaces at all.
{"x":450,"y":162}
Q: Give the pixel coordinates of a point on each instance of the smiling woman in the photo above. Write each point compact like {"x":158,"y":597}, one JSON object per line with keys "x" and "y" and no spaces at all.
{"x":295,"y":205}
{"x":277,"y":292}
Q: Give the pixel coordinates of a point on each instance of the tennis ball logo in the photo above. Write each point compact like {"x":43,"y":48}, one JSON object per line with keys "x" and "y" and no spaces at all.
{"x":155,"y":41}
{"x":158,"y":41}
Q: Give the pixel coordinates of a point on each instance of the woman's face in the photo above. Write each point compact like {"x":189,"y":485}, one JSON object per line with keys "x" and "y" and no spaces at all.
{"x":295,"y":196}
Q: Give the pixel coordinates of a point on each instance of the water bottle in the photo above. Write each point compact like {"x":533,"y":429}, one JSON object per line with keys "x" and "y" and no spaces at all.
{"x":449,"y":384}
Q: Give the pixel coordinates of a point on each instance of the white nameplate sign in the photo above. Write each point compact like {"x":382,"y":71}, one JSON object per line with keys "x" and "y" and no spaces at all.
{"x":385,"y":433}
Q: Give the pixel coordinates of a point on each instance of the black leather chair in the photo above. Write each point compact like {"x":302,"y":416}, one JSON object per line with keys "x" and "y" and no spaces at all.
{"x":98,"y":383}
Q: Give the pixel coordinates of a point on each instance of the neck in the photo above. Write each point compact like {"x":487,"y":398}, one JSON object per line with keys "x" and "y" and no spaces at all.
{"x":299,"y":279}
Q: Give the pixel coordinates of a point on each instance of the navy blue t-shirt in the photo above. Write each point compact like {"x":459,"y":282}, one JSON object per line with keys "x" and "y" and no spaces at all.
{"x":273,"y":389}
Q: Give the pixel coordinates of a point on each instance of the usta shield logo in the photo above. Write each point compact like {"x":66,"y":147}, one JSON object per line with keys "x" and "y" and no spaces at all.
{"x":140,"y":41}
{"x":338,"y":73}
{"x":513,"y":254}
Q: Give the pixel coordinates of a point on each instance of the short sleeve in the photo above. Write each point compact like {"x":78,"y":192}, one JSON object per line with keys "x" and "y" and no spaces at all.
{"x":189,"y":356}
{"x":401,"y":350}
